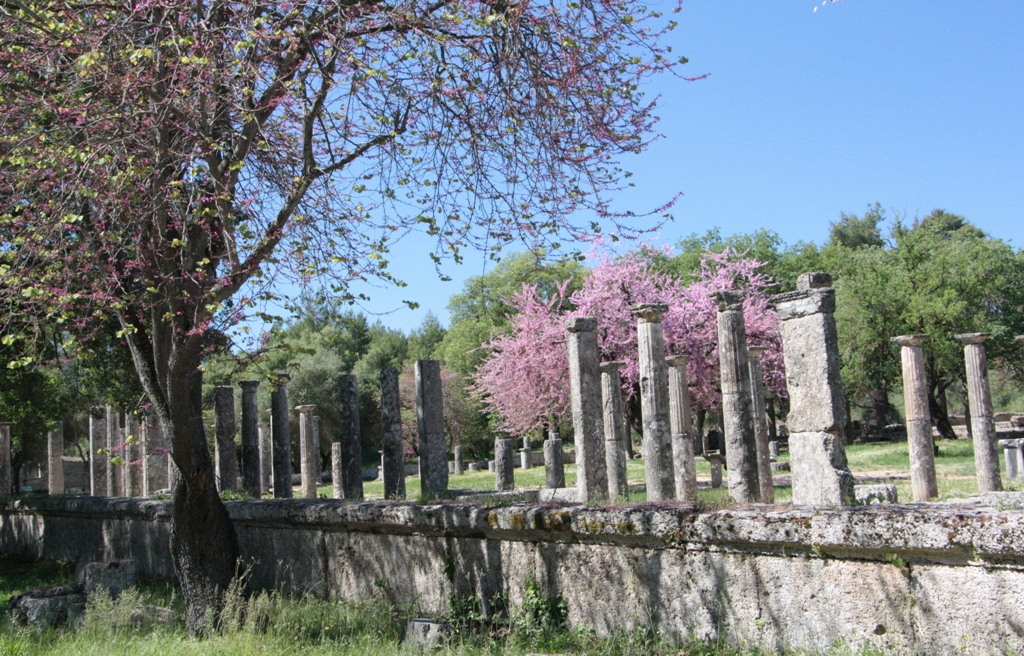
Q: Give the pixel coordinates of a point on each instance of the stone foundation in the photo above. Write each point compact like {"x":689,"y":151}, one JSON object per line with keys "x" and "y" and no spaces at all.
{"x":933,"y":579}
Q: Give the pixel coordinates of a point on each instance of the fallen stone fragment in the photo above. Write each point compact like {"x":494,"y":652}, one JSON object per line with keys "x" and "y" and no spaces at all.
{"x":866,"y":495}
{"x":51,"y":607}
{"x":427,"y":634}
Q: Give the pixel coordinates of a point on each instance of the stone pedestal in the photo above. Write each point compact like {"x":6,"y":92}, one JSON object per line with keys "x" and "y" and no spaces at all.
{"x":614,"y":436}
{"x":504,"y":478}
{"x":430,"y":425}
{"x":554,"y":462}
{"x":337,"y":470}
{"x":351,"y":440}
{"x":5,"y":460}
{"x":281,"y":436}
{"x":307,"y":466}
{"x":251,"y":481}
{"x":764,"y":461}
{"x":55,"y":460}
{"x":657,"y":444}
{"x":681,"y":420}
{"x":979,"y":398}
{"x":113,"y":439}
{"x":227,"y":464}
{"x":266,"y":459}
{"x":393,"y":457}
{"x":817,"y":415}
{"x":585,"y":400}
{"x":918,"y":417}
{"x":737,"y":407}
{"x":460,"y":464}
{"x":1011,"y":451}
{"x":97,"y":460}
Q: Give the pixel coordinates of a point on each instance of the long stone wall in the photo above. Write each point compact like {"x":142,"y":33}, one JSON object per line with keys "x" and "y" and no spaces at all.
{"x":933,"y":579}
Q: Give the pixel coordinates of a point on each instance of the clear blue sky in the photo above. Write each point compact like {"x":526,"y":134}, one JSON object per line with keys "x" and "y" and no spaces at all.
{"x":915,"y":104}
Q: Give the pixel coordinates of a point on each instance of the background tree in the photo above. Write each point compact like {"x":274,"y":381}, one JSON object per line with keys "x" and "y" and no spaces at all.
{"x":163,"y":162}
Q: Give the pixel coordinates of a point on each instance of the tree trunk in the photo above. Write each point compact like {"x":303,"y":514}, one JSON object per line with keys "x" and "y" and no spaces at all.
{"x":698,"y":430}
{"x":940,"y":411}
{"x":632,"y":409}
{"x":203,"y":541}
{"x":879,"y":398}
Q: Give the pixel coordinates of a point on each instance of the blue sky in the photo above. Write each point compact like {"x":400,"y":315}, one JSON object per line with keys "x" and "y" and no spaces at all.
{"x":806,"y":114}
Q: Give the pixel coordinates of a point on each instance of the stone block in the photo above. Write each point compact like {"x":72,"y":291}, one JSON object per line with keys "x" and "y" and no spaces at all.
{"x":812,"y":374}
{"x":780,"y":467}
{"x":47,"y":608}
{"x":558,"y":495}
{"x":866,"y":495}
{"x":820,"y":476}
{"x":115,"y":576}
{"x":794,"y":305}
{"x":426,"y":634}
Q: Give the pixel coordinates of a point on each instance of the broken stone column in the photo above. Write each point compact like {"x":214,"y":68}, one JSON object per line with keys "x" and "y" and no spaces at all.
{"x":681,"y":422}
{"x":307,"y":467}
{"x":393,"y":457}
{"x":918,"y":417}
{"x":554,"y":462}
{"x":737,"y":407}
{"x":316,"y":448}
{"x":585,"y":399}
{"x":716,"y":473}
{"x":266,"y":459}
{"x":351,"y":440}
{"x":227,"y":465}
{"x":251,"y":482}
{"x":97,"y":460}
{"x":1011,"y":451}
{"x":430,"y":425}
{"x":504,"y":477}
{"x":337,"y":471}
{"x":614,"y":439}
{"x":5,"y":459}
{"x":113,"y":436}
{"x":525,"y":458}
{"x":280,"y":434}
{"x":55,"y":459}
{"x":657,"y":444}
{"x":979,"y":399}
{"x":764,"y":460}
{"x":817,"y":415}
{"x":460,"y":464}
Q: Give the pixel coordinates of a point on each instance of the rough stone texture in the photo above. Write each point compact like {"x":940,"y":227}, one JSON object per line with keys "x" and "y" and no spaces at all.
{"x":525,"y":458}
{"x":683,"y":464}
{"x":780,"y":466}
{"x":869,"y":494}
{"x":983,"y":428}
{"x":585,"y":400}
{"x":48,"y":608}
{"x":307,"y":452}
{"x":55,"y":460}
{"x":430,"y":424}
{"x":251,"y":481}
{"x":764,"y":460}
{"x":614,"y":430}
{"x":266,"y":458}
{"x":935,"y":579}
{"x":318,"y":471}
{"x":918,"y":418}
{"x":227,"y":462}
{"x":657,"y":438}
{"x":115,"y":576}
{"x":280,"y":434}
{"x":351,"y":440}
{"x":97,"y":461}
{"x":773,"y":450}
{"x":817,"y":416}
{"x":554,"y":464}
{"x":737,"y":408}
{"x":337,"y":466}
{"x":460,"y":463}
{"x":5,"y":460}
{"x":426,"y":634}
{"x":504,"y":477}
{"x":716,"y":473}
{"x":1012,"y":454}
{"x":392,"y":458}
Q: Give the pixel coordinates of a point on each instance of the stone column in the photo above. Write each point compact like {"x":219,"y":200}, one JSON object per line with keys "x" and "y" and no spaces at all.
{"x":280,"y":434}
{"x":251,"y":482}
{"x":979,"y":398}
{"x":227,"y":466}
{"x":307,"y":467}
{"x":112,"y":441}
{"x":1011,"y":451}
{"x":55,"y":459}
{"x":459,"y":463}
{"x":316,"y":448}
{"x":657,"y":445}
{"x":817,"y":416}
{"x":737,"y":407}
{"x":350,"y":439}
{"x":145,"y":445}
{"x":525,"y":458}
{"x":585,"y":399}
{"x":337,"y":470}
{"x":5,"y":459}
{"x":681,"y":422}
{"x":266,"y":459}
{"x":430,"y":425}
{"x":393,"y":457}
{"x":716,"y":473}
{"x":764,"y":460}
{"x":97,"y":461}
{"x":614,"y":438}
{"x":504,"y":478}
{"x":554,"y":462}
{"x":918,"y":417}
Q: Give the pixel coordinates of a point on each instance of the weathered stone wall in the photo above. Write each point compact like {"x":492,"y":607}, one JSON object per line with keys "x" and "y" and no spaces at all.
{"x":933,"y":579}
